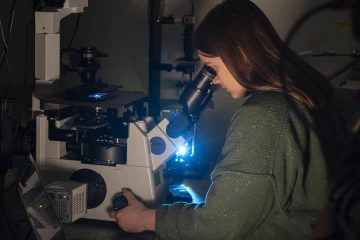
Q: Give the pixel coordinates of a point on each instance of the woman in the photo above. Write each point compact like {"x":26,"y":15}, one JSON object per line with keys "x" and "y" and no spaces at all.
{"x":276,"y":165}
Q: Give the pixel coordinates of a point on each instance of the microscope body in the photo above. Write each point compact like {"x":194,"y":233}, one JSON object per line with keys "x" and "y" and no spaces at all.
{"x":80,"y":138}
{"x":92,"y":145}
{"x":142,"y":170}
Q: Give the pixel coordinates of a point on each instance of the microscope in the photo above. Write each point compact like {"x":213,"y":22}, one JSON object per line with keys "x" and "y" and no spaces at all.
{"x":79,"y":136}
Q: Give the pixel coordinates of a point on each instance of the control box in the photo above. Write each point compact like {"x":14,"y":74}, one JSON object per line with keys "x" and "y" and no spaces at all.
{"x":69,"y":199}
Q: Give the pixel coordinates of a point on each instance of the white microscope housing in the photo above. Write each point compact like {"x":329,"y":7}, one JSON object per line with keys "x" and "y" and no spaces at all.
{"x":84,"y":140}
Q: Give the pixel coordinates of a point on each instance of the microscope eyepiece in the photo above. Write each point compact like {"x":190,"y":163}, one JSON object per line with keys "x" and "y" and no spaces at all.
{"x":198,"y":93}
{"x":209,"y":71}
{"x":194,"y":98}
{"x":204,"y":79}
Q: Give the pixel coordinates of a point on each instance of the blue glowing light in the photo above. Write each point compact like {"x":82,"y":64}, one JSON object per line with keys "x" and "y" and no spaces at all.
{"x":97,"y":95}
{"x":182,"y":150}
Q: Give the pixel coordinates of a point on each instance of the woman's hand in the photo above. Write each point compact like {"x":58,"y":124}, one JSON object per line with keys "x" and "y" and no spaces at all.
{"x":135,"y":217}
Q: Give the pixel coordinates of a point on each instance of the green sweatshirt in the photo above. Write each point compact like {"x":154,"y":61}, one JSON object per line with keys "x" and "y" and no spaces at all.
{"x":272,"y":180}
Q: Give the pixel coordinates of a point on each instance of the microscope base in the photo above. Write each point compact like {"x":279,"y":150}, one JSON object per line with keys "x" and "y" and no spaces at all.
{"x":147,"y":185}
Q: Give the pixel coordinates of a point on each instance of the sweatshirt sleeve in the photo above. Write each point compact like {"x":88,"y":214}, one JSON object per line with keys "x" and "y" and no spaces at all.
{"x":242,"y":192}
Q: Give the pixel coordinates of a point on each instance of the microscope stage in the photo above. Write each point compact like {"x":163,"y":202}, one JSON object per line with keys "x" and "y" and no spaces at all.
{"x":123,"y":100}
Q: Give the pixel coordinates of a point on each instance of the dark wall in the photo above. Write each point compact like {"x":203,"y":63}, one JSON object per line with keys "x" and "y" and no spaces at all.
{"x":11,"y":81}
{"x":17,"y":41}
{"x":119,"y":28}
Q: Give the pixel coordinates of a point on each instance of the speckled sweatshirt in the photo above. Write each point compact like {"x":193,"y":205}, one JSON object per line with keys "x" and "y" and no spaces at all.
{"x":273,"y":177}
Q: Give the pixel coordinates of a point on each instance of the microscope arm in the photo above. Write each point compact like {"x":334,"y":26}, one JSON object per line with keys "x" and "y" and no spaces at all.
{"x":170,"y":134}
{"x":162,"y":146}
{"x":47,"y":38}
{"x":49,"y":22}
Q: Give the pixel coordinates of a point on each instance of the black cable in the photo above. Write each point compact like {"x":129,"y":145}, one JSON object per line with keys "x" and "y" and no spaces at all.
{"x":291,"y":34}
{"x":343,"y":69}
{"x":5,"y":57}
{"x":75,"y":30}
{"x":12,"y":143}
{"x":23,"y":87}
{"x":11,"y":18}
{"x":295,"y":28}
{"x":148,"y":11}
{"x":192,"y":8}
{"x":304,"y":18}
{"x":6,"y":219}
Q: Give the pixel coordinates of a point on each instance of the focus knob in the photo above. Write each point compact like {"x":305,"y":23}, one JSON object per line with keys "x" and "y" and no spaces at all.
{"x":119,"y":202}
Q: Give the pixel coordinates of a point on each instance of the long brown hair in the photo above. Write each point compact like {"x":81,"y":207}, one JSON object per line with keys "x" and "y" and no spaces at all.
{"x":240,"y":34}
